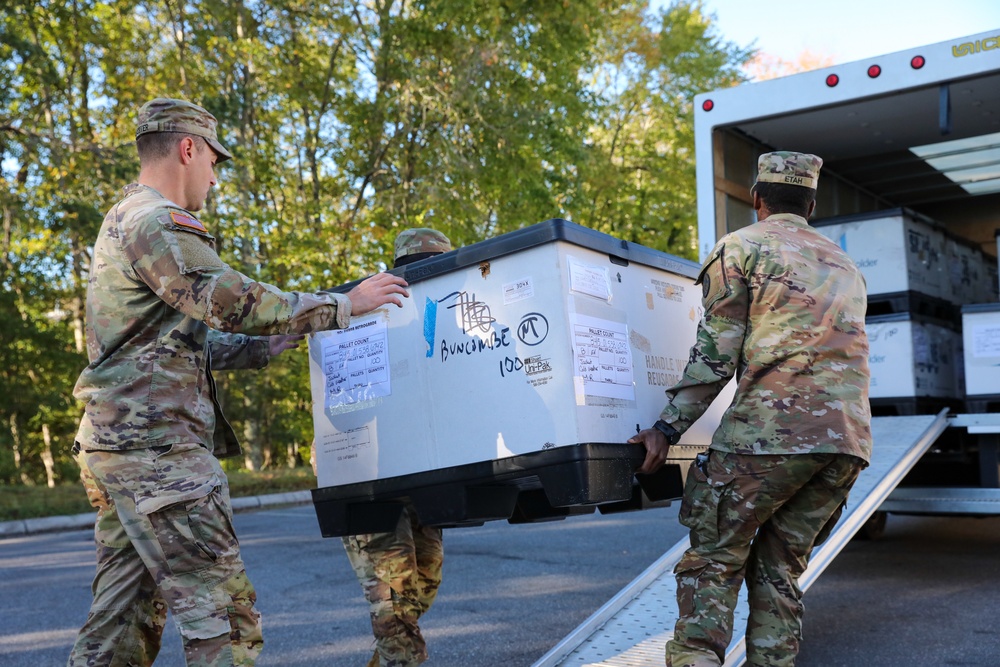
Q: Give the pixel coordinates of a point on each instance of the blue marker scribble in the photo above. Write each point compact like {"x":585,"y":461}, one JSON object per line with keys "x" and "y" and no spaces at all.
{"x":430,"y":324}
{"x":843,"y":242}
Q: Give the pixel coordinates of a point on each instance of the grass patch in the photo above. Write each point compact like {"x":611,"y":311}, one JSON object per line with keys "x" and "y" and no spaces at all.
{"x":244,"y":483}
{"x":32,"y":502}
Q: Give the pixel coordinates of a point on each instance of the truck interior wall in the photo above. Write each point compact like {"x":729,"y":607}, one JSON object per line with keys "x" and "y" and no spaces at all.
{"x":977,"y":220}
{"x":836,"y":196}
{"x":733,"y":202}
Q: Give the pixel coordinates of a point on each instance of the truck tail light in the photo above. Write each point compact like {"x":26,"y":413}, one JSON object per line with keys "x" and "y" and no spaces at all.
{"x":874,"y":71}
{"x":832,"y":80}
{"x":917,"y":62}
{"x":707,"y":105}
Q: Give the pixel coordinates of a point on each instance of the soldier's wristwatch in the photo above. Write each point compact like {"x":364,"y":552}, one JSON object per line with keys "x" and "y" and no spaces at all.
{"x":672,"y":434}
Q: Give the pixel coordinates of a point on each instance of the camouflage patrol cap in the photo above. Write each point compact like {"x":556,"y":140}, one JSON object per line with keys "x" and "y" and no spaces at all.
{"x":421,"y":240}
{"x":789,"y":168}
{"x":169,"y":115}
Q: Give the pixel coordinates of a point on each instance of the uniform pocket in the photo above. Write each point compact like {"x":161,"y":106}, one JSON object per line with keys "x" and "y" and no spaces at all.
{"x":703,"y":495}
{"x":193,"y":535}
{"x":830,"y":524}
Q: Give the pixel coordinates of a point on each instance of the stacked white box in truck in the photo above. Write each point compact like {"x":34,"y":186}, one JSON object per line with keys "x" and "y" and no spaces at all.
{"x":517,"y":365}
{"x":981,"y":344}
{"x":972,"y":273}
{"x":913,"y":359}
{"x":897,"y":251}
{"x":901,"y":252}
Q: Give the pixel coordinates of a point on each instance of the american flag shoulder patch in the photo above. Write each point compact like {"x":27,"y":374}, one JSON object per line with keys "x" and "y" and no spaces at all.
{"x":187,"y":221}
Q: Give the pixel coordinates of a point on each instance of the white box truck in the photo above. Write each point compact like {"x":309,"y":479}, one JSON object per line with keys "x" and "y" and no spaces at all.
{"x":910,"y":188}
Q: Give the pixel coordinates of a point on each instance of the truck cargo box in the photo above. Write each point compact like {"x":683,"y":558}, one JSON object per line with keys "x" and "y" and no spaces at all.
{"x":507,"y":385}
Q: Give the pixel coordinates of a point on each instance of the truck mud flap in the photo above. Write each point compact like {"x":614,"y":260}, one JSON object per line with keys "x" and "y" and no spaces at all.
{"x":540,"y":486}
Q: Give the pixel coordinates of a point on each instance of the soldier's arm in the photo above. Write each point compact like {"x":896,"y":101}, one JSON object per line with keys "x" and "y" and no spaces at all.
{"x":718,"y":345}
{"x":182,"y":267}
{"x":231,"y":351}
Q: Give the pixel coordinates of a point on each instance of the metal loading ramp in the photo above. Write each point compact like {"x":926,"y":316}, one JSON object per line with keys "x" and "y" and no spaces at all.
{"x":630,"y":630}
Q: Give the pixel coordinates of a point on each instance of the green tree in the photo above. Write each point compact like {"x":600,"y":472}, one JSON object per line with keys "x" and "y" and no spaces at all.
{"x":640,"y":179}
{"x":349,"y":122}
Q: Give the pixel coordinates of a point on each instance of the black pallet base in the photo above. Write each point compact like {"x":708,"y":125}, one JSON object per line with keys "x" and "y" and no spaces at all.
{"x":919,"y":306}
{"x":540,"y":486}
{"x":982,"y":404}
{"x":916,"y":405}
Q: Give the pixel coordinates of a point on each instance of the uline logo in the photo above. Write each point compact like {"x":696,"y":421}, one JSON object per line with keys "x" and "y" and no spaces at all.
{"x":968,"y":48}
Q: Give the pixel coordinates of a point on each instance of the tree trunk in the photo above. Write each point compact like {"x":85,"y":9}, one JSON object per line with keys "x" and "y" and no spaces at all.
{"x":15,"y":434}
{"x":252,"y":456}
{"x":50,"y":476}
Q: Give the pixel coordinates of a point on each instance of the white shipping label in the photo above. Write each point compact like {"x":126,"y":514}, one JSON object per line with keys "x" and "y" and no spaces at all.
{"x":602,"y":357}
{"x":986,"y":340}
{"x":347,"y":456}
{"x":518,"y":291}
{"x":668,"y":290}
{"x":355,"y":361}
{"x":589,"y":279}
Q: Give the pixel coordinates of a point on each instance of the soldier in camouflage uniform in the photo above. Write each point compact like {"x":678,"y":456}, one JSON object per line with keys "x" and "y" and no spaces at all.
{"x":163,"y":311}
{"x":785,"y":315}
{"x":400,"y":572}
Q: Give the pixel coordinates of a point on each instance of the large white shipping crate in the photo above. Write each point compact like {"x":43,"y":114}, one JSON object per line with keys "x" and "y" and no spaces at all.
{"x":981,"y":348}
{"x":539,"y":342}
{"x":896,"y":250}
{"x":913,"y":359}
{"x":991,"y":286}
{"x":972,"y":278}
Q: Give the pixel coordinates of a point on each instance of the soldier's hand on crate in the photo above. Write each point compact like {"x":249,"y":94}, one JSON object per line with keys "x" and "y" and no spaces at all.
{"x":656,"y":449}
{"x":278,"y":344}
{"x":375,"y":292}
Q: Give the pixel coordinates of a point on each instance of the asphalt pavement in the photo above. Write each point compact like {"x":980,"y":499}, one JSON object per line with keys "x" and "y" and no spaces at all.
{"x":923,"y":595}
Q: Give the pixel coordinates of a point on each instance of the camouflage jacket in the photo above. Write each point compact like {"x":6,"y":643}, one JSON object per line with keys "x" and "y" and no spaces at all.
{"x":784,"y":313}
{"x":162,"y":311}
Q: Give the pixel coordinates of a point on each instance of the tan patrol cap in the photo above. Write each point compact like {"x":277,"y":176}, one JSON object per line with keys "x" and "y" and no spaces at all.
{"x":169,"y":115}
{"x":789,"y":168}
{"x":421,"y":240}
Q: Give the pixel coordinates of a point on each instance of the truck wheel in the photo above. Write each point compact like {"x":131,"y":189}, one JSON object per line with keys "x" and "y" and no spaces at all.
{"x":874,"y":528}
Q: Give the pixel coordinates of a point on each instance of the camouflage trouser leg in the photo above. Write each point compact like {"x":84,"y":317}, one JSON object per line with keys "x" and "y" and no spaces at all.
{"x":173,"y":507}
{"x":400,"y":573}
{"x":127,"y":606}
{"x":770,"y":498}
{"x":780,"y":554}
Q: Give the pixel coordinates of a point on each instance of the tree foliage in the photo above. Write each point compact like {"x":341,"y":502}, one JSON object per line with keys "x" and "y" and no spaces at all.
{"x":349,"y":122}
